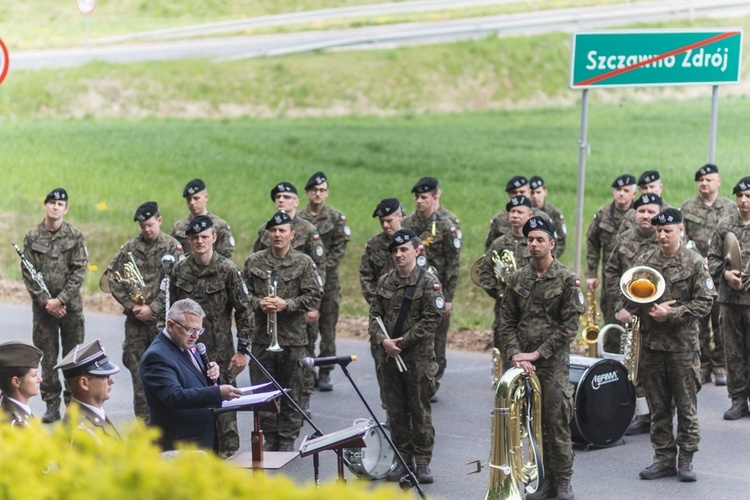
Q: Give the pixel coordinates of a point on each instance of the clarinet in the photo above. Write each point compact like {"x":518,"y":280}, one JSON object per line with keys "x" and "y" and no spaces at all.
{"x":35,"y":275}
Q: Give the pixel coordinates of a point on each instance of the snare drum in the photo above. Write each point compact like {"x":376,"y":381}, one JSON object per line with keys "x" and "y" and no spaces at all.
{"x":376,"y":459}
{"x":604,"y":400}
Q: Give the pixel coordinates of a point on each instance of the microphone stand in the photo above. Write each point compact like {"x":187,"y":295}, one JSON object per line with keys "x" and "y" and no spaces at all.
{"x":411,"y":475}
{"x":317,"y":433}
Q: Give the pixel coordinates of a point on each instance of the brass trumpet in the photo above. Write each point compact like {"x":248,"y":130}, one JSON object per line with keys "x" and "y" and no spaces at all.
{"x":271,"y":323}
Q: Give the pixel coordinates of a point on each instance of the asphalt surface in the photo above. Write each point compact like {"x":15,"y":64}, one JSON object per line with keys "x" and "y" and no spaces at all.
{"x":462,"y":419}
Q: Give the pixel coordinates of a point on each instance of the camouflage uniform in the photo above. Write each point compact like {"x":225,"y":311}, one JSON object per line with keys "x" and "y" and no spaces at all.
{"x":629,"y":221}
{"x":299,"y":284}
{"x":630,"y":245}
{"x":700,"y":223}
{"x":218,"y":288}
{"x":13,"y":414}
{"x":140,"y":334}
{"x":500,"y":225}
{"x":670,"y":361}
{"x":449,"y":215}
{"x":442,"y":249}
{"x":541,"y":313}
{"x":562,"y":231}
{"x":61,"y":257}
{"x":335,"y":234}
{"x":224,"y":240}
{"x":600,"y":242}
{"x":735,"y":308}
{"x":407,"y":395}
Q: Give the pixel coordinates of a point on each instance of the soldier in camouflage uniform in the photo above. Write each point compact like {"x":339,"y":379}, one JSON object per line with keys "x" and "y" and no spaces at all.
{"x":141,"y":306}
{"x":56,"y":250}
{"x":19,"y":382}
{"x":299,"y":289}
{"x":442,"y":249}
{"x":214,"y":282}
{"x":602,"y":236}
{"x":648,"y":183}
{"x":407,"y":394}
{"x":539,"y":200}
{"x":335,"y":234}
{"x":734,"y":301}
{"x":500,"y":225}
{"x":670,"y":360}
{"x":196,"y":197}
{"x":701,"y":215}
{"x":540,"y":313}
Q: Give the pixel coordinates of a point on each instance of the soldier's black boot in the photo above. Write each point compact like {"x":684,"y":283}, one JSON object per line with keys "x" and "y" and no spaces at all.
{"x":324,"y":382}
{"x":685,"y":471}
{"x":424,"y":474}
{"x":564,"y":490}
{"x":547,"y":490}
{"x":721,"y":376}
{"x":641,"y":424}
{"x":655,"y":471}
{"x":397,"y":472}
{"x":737,"y":411}
{"x":52,"y":414}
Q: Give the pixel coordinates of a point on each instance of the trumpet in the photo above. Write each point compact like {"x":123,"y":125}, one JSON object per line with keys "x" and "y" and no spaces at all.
{"x":132,"y":280}
{"x":271,"y":323}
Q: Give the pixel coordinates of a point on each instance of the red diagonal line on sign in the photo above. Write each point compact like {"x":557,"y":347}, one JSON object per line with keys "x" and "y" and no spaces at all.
{"x":619,"y":71}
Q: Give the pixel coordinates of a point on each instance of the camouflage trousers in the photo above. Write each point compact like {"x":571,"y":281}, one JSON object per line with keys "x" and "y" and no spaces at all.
{"x":221,"y":349}
{"x":557,"y":412}
{"x":407,"y":403}
{"x":280,"y":428}
{"x":672,"y":377}
{"x":138,"y":336}
{"x":711,"y":358}
{"x":606,"y":304}
{"x":379,"y":357}
{"x":497,"y":341}
{"x":46,"y":329}
{"x":308,"y":376}
{"x":325,"y":328}
{"x":735,"y":324}
{"x":441,"y":338}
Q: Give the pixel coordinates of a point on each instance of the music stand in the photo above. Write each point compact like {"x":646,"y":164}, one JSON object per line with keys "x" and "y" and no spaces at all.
{"x":351,"y":437}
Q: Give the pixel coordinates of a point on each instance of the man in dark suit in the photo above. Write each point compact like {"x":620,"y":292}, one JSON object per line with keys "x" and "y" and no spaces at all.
{"x":177,"y":393}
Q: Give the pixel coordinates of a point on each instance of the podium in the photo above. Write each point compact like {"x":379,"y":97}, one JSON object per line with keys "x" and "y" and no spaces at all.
{"x":351,"y":437}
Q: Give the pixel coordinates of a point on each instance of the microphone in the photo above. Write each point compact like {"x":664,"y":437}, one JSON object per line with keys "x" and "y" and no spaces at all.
{"x":309,"y":363}
{"x":200,"y":348}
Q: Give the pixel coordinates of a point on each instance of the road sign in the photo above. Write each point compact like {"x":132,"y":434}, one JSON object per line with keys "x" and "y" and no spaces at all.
{"x":4,"y":61}
{"x":642,"y":58}
{"x":86,"y":7}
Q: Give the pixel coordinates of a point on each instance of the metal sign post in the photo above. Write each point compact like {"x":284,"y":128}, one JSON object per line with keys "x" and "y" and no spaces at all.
{"x":86,"y":7}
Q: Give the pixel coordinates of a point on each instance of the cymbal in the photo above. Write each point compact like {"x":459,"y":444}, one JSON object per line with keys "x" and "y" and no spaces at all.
{"x":732,"y":252}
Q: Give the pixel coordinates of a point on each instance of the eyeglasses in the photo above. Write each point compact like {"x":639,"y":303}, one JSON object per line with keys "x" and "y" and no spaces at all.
{"x":190,"y":331}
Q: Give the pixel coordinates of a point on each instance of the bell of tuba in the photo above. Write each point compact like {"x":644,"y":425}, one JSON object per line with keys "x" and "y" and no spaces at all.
{"x":642,"y":285}
{"x":516,"y":454}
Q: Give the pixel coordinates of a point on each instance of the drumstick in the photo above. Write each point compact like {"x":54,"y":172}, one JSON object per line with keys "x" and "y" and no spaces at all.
{"x":399,"y":362}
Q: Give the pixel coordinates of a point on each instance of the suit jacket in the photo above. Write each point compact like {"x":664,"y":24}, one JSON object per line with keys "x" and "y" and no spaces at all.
{"x":89,"y":421}
{"x":14,"y":414}
{"x":177,"y":395}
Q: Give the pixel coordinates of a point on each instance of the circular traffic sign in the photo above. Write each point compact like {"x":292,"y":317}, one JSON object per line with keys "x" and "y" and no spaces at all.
{"x":86,"y":7}
{"x":4,"y":61}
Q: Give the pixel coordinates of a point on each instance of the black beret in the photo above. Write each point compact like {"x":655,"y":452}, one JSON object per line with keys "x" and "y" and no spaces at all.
{"x":87,"y":359}
{"x":743,"y":185}
{"x":648,"y":177}
{"x":648,"y":199}
{"x":146,"y":211}
{"x":283,"y":187}
{"x":317,"y":179}
{"x":400,"y":237}
{"x":538,"y":224}
{"x":199,"y":224}
{"x":624,"y":180}
{"x":708,"y":168}
{"x":666,"y":217}
{"x":536,"y":182}
{"x":517,"y":201}
{"x":278,"y":219}
{"x":58,"y":194}
{"x":194,"y":186}
{"x":516,"y":182}
{"x":425,"y":185}
{"x":19,"y":355}
{"x":387,"y":207}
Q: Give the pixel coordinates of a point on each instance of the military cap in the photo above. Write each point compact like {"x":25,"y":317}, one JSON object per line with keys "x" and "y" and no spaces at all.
{"x":666,"y":217}
{"x":425,"y":185}
{"x":199,"y":224}
{"x":278,"y":219}
{"x":283,"y":187}
{"x":58,"y":194}
{"x":387,"y":207}
{"x":708,"y":168}
{"x":624,"y":180}
{"x":648,"y":199}
{"x":19,"y":355}
{"x":317,"y":179}
{"x":743,"y":185}
{"x":194,"y":186}
{"x":87,"y":359}
{"x":536,"y":182}
{"x":516,"y":182}
{"x":517,"y":201}
{"x":146,"y":211}
{"x":648,"y":177}
{"x":400,"y":237}
{"x":536,"y":223}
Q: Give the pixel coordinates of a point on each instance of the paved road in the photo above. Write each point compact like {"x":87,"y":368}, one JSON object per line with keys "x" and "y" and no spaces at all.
{"x":462,"y":419}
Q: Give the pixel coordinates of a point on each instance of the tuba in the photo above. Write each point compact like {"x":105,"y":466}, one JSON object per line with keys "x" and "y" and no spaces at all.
{"x":516,"y":453}
{"x":271,"y":322}
{"x":642,"y":285}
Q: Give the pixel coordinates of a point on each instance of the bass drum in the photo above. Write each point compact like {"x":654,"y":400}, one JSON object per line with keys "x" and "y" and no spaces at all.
{"x":376,"y":459}
{"x":604,"y":400}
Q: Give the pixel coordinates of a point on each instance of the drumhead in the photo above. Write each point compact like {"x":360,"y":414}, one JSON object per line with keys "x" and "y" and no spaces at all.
{"x":604,"y":400}
{"x":373,"y":461}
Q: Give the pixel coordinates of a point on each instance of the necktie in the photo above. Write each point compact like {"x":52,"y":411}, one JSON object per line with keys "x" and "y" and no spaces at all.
{"x":192,"y":359}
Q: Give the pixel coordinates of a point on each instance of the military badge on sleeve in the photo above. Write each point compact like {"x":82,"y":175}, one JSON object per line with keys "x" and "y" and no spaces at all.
{"x":439,"y":302}
{"x":709,"y":283}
